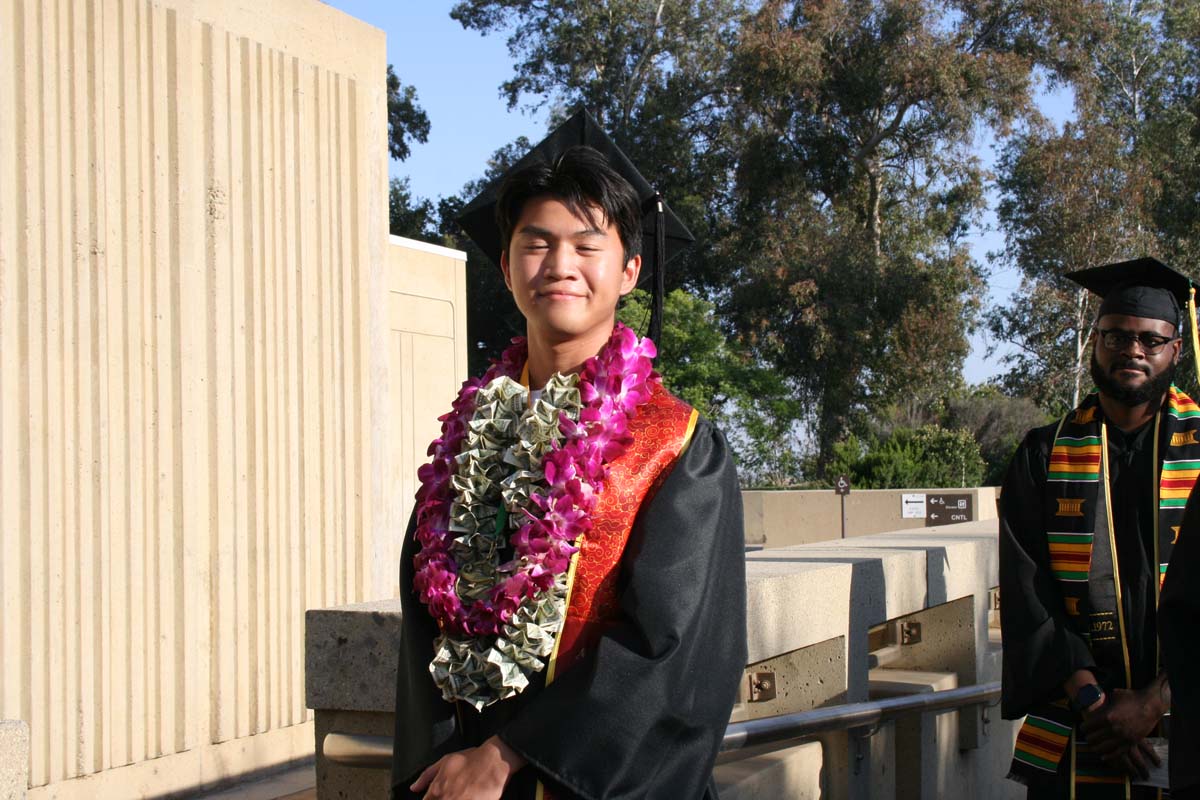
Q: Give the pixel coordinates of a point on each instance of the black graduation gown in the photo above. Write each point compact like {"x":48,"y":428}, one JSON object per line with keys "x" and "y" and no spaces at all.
{"x":1041,"y":648}
{"x":1179,"y":624}
{"x":643,"y":712}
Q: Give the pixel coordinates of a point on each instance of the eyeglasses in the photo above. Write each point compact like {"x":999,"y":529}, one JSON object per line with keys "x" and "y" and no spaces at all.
{"x":1117,"y":340}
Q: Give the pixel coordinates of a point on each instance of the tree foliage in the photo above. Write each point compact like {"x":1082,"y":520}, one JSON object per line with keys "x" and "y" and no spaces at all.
{"x":823,"y":154}
{"x":929,"y":457}
{"x":856,"y":185}
{"x":410,"y":216}
{"x":748,"y":400}
{"x":1115,"y":183}
{"x":407,"y":121}
{"x":996,"y":421}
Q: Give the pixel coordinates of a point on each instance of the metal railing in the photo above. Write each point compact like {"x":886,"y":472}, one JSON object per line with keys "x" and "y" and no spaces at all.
{"x":807,"y":724}
{"x":375,"y":752}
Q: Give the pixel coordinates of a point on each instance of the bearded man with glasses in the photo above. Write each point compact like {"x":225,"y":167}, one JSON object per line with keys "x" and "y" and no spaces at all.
{"x":1089,"y":513}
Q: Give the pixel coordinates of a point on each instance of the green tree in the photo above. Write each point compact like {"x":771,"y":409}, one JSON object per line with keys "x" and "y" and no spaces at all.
{"x":407,"y":215}
{"x":1069,"y":200}
{"x":407,"y":121}
{"x":1116,"y":183}
{"x":747,"y":399}
{"x":856,"y":184}
{"x":410,"y":216}
{"x":995,"y":420}
{"x":998,"y":423}
{"x":928,"y":457}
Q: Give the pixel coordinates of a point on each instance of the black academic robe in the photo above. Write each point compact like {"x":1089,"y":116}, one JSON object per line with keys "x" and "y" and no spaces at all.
{"x":642,"y":714}
{"x":1041,"y":646}
{"x":1179,"y":622}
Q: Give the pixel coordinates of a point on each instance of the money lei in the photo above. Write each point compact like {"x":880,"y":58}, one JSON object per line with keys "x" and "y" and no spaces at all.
{"x":509,"y":492}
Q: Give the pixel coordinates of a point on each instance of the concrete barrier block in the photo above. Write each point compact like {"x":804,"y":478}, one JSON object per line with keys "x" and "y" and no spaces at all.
{"x":773,"y":585}
{"x":794,"y":773}
{"x":925,"y":743}
{"x":350,"y":656}
{"x":14,"y":759}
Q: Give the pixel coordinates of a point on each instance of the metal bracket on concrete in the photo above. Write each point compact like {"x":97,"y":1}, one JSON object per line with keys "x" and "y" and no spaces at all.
{"x":762,"y":686}
{"x":910,"y":633}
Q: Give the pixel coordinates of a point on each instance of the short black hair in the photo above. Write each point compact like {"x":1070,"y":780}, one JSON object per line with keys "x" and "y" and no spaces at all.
{"x":582,"y":180}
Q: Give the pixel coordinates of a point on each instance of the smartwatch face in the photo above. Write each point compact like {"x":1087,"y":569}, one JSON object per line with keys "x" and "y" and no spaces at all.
{"x":1086,"y":697}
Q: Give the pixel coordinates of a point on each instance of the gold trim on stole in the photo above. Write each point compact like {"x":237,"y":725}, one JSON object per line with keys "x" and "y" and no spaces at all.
{"x":1156,"y":476}
{"x":1071,"y":782}
{"x":540,"y":790}
{"x":570,"y":590}
{"x":687,"y":435}
{"x":1112,"y":548}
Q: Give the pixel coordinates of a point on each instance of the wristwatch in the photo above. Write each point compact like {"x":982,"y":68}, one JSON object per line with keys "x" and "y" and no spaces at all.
{"x":1086,"y":697}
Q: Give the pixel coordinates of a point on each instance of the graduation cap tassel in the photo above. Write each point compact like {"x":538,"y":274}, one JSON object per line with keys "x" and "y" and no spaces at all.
{"x":1192,"y":325}
{"x":660,"y":260}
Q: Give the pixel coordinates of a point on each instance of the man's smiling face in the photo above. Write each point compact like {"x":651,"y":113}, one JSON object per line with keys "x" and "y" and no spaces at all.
{"x":567,"y":272}
{"x":1129,"y":374}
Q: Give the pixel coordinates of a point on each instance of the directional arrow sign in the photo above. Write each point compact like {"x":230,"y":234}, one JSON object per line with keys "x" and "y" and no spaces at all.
{"x":948,"y":509}
{"x":912,"y":506}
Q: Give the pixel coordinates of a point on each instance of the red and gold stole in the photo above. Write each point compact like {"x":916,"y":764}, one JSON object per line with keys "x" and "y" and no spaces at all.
{"x":661,"y":431}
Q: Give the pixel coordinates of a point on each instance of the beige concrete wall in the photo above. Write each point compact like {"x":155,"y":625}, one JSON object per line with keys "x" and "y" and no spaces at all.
{"x":423,"y":343}
{"x":786,"y":518}
{"x":194,"y":299}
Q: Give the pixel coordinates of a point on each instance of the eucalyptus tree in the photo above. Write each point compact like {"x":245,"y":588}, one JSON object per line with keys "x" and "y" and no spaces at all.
{"x":1116,"y":182}
{"x":856,"y":184}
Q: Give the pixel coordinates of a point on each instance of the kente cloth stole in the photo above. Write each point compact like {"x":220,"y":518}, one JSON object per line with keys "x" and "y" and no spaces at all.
{"x":661,"y":431}
{"x":1083,"y":558}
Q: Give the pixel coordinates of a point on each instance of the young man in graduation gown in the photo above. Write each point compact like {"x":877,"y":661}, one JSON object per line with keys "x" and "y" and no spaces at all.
{"x":1179,"y":626}
{"x":1089,"y":511}
{"x":573,"y":579}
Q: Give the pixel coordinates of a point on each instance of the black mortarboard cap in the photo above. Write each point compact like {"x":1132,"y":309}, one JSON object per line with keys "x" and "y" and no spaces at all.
{"x":1140,"y":287}
{"x":1144,"y":287}
{"x":664,"y":236}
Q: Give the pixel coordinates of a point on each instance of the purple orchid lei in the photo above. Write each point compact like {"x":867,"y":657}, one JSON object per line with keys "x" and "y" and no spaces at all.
{"x":612,"y":385}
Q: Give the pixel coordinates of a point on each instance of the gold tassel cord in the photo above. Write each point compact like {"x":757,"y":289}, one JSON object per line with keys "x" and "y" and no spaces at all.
{"x":1192,"y":325}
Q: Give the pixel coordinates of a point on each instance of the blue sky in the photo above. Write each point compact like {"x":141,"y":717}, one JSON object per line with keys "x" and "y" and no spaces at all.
{"x":457,"y":74}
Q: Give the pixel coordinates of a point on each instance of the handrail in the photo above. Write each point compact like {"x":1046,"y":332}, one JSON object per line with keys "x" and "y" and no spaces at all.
{"x":375,"y":752}
{"x":803,"y":724}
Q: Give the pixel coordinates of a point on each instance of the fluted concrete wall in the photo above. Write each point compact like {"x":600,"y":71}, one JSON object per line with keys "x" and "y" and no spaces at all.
{"x":192,"y":238}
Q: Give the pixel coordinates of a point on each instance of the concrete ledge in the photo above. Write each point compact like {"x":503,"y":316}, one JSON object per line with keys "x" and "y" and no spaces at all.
{"x":14,"y":759}
{"x":794,"y":773}
{"x":784,"y":518}
{"x":350,"y":656}
{"x":801,"y":595}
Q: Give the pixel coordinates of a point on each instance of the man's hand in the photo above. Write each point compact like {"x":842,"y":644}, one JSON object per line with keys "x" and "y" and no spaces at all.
{"x":477,"y":773}
{"x":1135,"y":761}
{"x":1117,"y":730}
